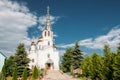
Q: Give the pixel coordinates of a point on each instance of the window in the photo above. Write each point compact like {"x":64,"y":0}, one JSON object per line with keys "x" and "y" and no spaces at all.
{"x":48,"y":43}
{"x":32,"y":60}
{"x":48,"y":33}
{"x":45,"y":33}
{"x":48,"y":55}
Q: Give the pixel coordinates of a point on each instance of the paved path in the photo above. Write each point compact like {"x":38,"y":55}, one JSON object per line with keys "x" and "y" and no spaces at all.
{"x":56,"y":75}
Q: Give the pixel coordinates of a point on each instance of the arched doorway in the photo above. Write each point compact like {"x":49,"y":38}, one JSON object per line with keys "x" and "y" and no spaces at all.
{"x":49,"y":64}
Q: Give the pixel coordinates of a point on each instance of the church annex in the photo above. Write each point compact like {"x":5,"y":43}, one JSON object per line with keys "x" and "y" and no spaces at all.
{"x":43,"y":53}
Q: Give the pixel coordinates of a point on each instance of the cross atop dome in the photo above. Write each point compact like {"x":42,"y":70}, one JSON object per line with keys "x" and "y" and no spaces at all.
{"x":48,"y":23}
{"x":48,"y":10}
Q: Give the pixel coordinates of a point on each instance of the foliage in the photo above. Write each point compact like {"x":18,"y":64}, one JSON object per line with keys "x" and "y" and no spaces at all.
{"x":108,"y":61}
{"x":86,"y":66}
{"x":14,"y":75}
{"x":116,"y":65}
{"x":2,"y":77}
{"x":71,"y":59}
{"x":10,"y":65}
{"x":96,"y":66}
{"x":67,"y":60}
{"x":24,"y":75}
{"x":77,"y":56}
{"x":42,"y":72}
{"x":4,"y":70}
{"x":106,"y":67}
{"x":35,"y":73}
{"x":21,"y":59}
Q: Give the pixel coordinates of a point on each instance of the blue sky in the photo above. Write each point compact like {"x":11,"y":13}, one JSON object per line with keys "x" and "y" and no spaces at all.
{"x":91,"y":22}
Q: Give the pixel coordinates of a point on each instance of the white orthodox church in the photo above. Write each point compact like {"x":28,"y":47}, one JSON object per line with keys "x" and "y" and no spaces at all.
{"x":43,"y":53}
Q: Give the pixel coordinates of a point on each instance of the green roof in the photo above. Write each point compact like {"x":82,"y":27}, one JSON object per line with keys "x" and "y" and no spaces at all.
{"x":2,"y":54}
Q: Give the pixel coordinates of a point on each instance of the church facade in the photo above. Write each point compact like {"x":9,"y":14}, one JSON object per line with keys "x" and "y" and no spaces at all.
{"x":43,"y":53}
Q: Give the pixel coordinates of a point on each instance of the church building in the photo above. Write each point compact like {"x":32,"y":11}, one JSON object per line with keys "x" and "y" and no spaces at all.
{"x":43,"y":53}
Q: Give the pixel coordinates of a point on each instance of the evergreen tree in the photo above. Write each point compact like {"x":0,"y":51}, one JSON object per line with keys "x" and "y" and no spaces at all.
{"x":71,"y":59}
{"x":108,"y":60}
{"x":21,"y":59}
{"x":106,"y":50}
{"x":2,"y":77}
{"x":66,"y":60}
{"x":96,"y":71}
{"x":77,"y":56}
{"x":86,"y":66}
{"x":10,"y":65}
{"x":116,"y":65}
{"x":14,"y":75}
{"x":4,"y":70}
{"x":35,"y":73}
{"x":118,"y":49}
{"x":24,"y":75}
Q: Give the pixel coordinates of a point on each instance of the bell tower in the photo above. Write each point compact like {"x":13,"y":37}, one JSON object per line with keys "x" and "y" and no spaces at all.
{"x":47,"y":33}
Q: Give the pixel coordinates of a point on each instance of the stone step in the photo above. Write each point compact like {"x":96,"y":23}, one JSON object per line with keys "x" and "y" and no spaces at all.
{"x":57,"y":75}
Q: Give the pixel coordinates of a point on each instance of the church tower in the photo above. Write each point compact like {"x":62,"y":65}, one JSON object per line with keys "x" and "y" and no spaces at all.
{"x":44,"y":53}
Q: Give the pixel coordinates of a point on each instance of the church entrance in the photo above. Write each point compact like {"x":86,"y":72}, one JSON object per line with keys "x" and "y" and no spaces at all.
{"x":49,"y":65}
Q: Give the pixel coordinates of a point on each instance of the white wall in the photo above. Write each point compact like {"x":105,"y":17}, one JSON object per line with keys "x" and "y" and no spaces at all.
{"x":2,"y":58}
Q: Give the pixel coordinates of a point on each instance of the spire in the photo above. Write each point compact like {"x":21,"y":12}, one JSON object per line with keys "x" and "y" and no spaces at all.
{"x":48,"y":24}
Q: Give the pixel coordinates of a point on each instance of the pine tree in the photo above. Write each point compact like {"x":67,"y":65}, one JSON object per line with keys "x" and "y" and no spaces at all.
{"x":24,"y":75}
{"x":66,"y":60}
{"x":21,"y":59}
{"x":96,"y":71}
{"x":14,"y":75}
{"x":71,"y":59}
{"x":35,"y":73}
{"x":86,"y":66}
{"x":10,"y":65}
{"x":108,"y":60}
{"x":116,"y":65}
{"x":2,"y":77}
{"x":77,"y":56}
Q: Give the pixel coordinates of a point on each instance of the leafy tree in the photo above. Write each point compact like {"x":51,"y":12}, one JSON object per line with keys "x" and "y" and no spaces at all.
{"x":14,"y":75}
{"x":24,"y":75}
{"x":96,"y":66}
{"x":67,"y":60}
{"x":21,"y":59}
{"x":116,"y":65}
{"x":108,"y":60}
{"x":35,"y":73}
{"x":86,"y":66}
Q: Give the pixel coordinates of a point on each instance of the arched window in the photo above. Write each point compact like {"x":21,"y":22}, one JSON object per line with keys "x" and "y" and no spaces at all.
{"x":48,"y":33}
{"x":39,"y":47}
{"x":32,"y":60}
{"x":48,"y":42}
{"x":45,"y":33}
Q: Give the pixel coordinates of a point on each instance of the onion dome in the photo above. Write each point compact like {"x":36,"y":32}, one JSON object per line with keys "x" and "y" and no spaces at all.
{"x":40,"y":39}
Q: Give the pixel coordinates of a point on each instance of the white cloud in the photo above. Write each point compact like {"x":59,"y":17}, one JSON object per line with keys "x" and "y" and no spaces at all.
{"x":55,"y":35}
{"x":15,"y":19}
{"x":112,"y":38}
{"x":61,"y":52}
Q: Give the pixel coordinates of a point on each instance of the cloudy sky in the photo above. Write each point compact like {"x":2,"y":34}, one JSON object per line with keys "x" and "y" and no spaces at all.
{"x":91,"y":22}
